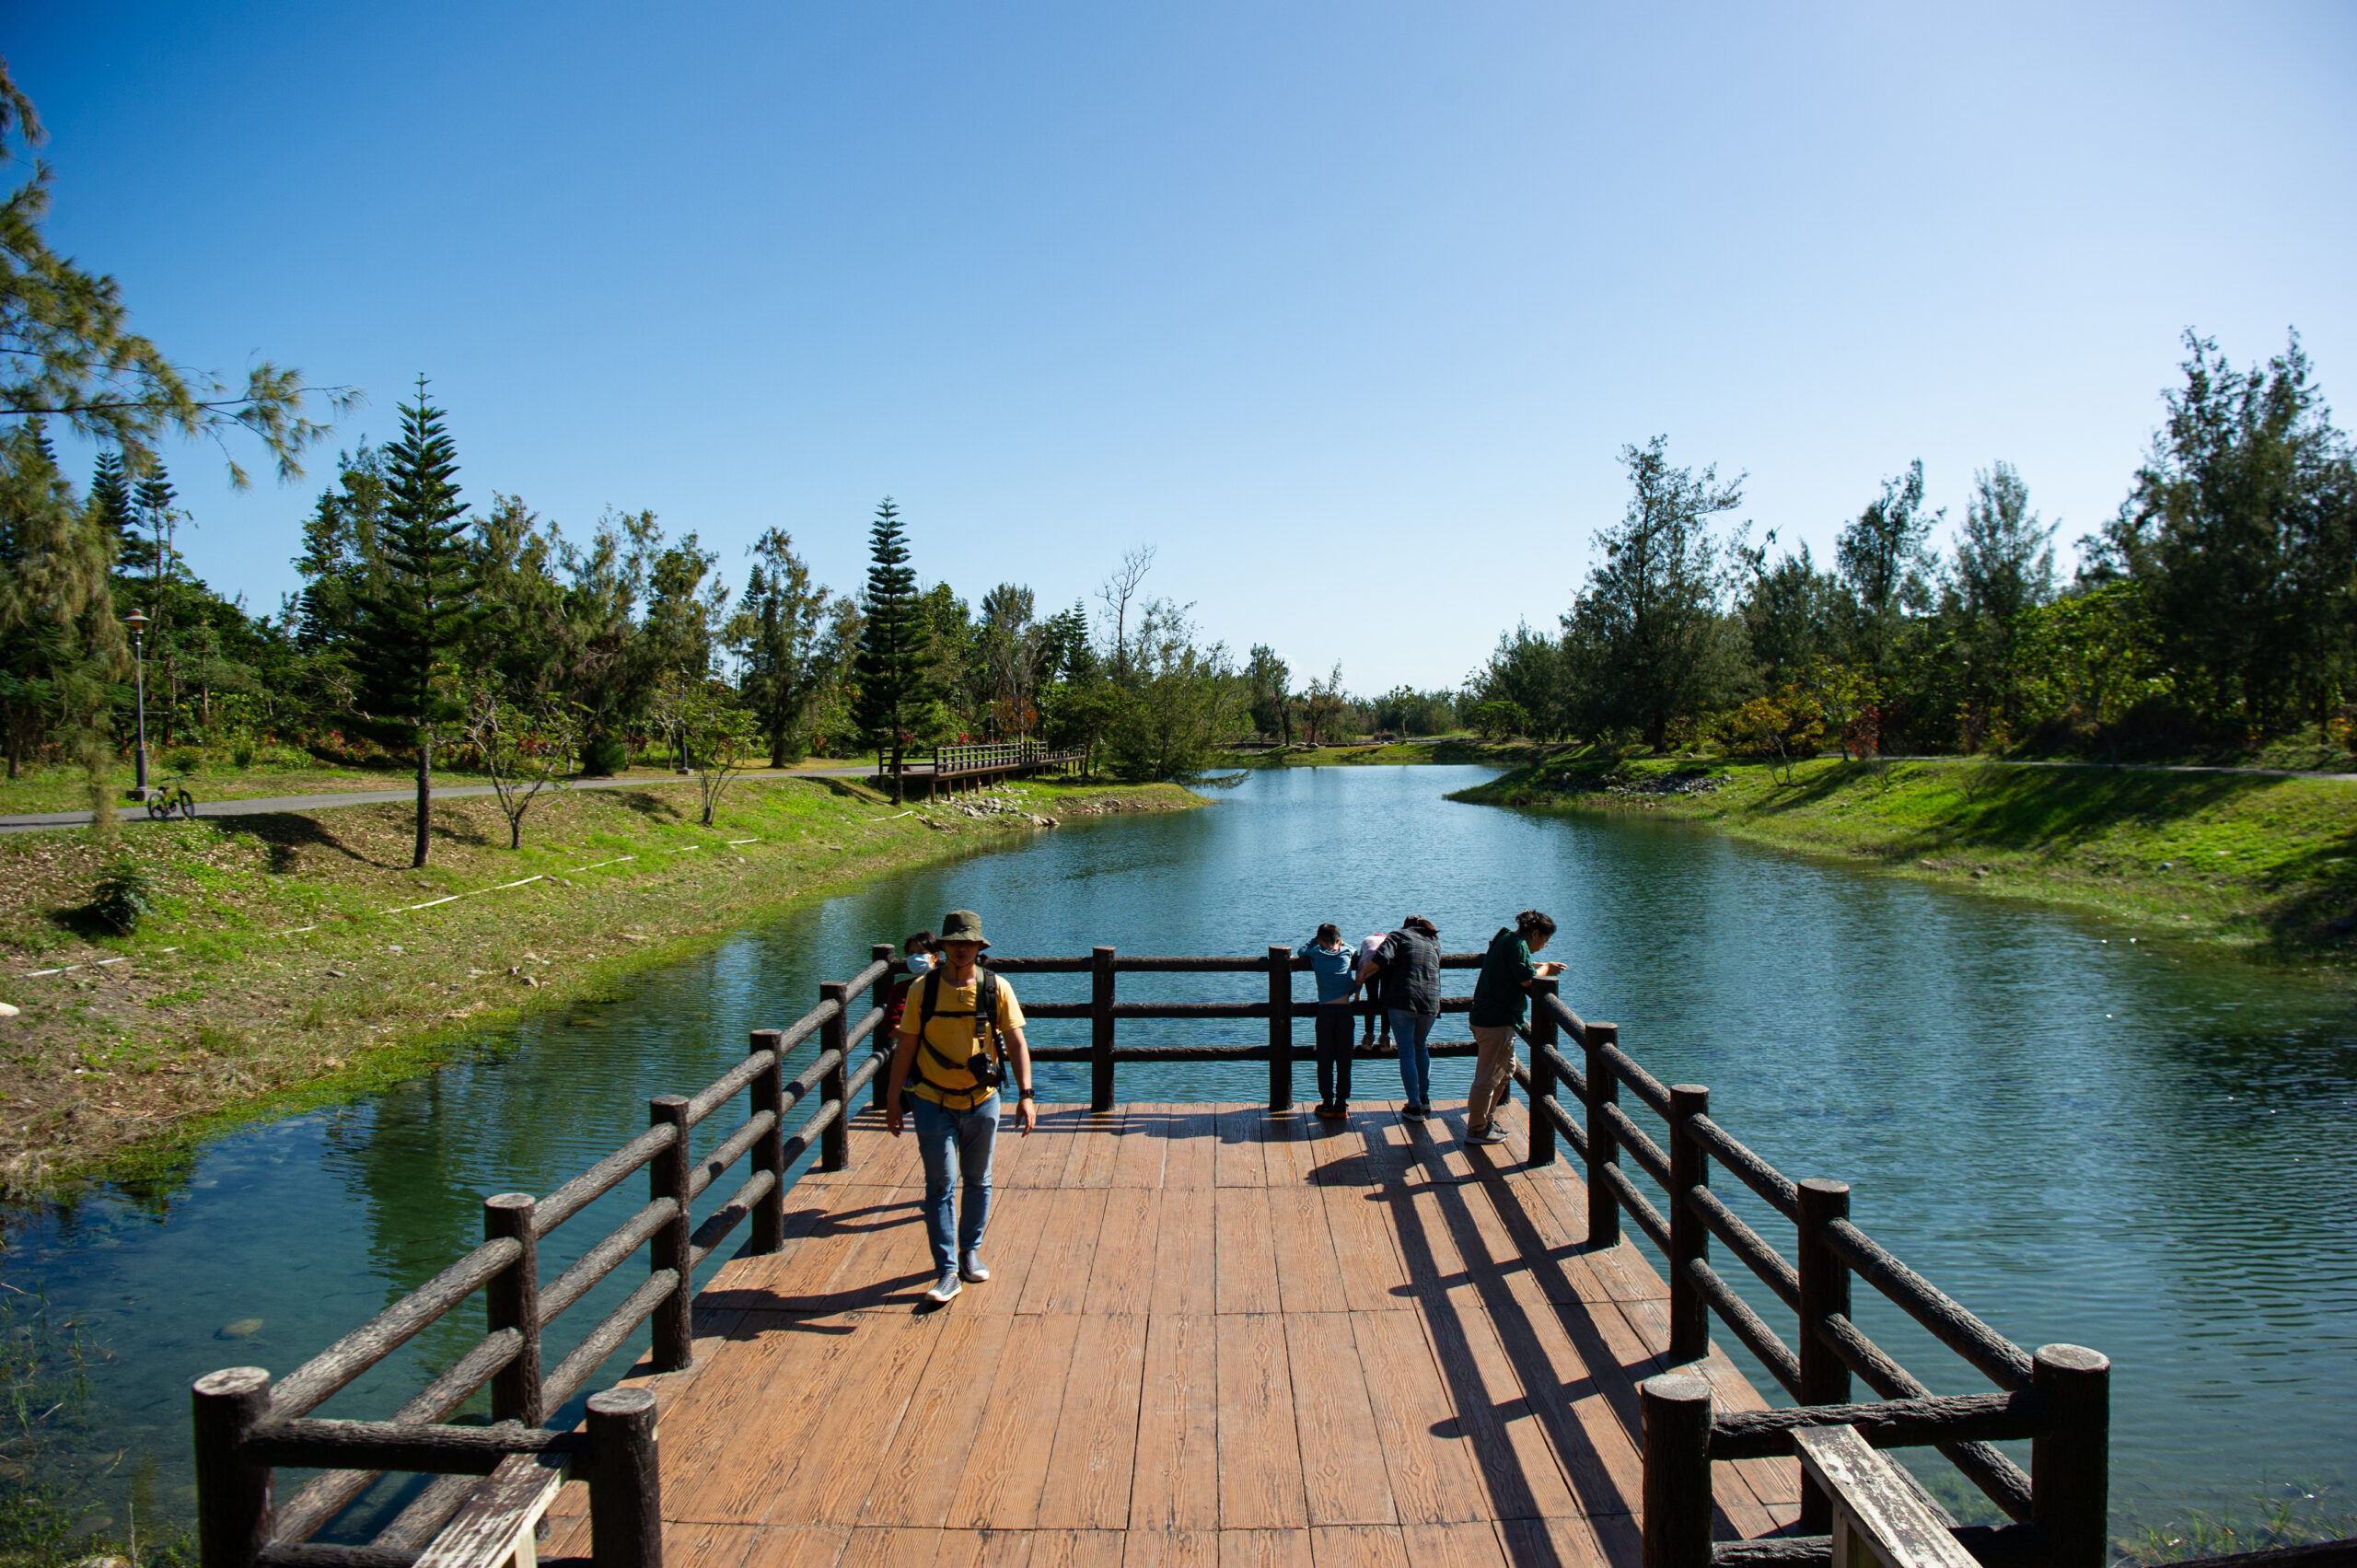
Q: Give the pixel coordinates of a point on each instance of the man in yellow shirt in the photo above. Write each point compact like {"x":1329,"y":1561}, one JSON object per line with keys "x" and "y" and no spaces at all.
{"x":961,"y":1036}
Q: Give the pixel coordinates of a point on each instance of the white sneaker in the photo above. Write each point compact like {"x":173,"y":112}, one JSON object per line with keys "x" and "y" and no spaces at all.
{"x":973,"y":1271}
{"x":947,"y":1287}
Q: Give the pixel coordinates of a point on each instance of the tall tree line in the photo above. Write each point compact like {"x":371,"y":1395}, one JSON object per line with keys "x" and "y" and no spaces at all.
{"x":2216,"y":612}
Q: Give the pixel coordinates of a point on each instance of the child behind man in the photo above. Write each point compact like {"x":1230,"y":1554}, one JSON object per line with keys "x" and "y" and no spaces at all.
{"x":1333,"y":964}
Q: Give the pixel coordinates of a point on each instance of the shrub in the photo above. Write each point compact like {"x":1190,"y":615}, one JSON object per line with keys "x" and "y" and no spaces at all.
{"x":184,"y":758}
{"x":125,"y":894}
{"x":605,"y":756}
{"x":242,"y":754}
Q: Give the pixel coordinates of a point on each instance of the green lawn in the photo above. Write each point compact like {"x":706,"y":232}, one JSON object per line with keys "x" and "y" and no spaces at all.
{"x":297,"y":957}
{"x":2268,"y":864}
{"x":56,"y":787}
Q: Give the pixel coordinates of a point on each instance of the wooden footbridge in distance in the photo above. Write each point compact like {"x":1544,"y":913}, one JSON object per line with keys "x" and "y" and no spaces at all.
{"x":1215,"y":1336}
{"x":971,"y":767}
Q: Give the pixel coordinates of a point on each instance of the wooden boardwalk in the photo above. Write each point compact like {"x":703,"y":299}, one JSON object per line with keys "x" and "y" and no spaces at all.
{"x":1214,"y":1338}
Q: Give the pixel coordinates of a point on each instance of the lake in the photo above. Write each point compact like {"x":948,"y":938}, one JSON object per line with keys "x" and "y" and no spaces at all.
{"x":2144,"y":1147}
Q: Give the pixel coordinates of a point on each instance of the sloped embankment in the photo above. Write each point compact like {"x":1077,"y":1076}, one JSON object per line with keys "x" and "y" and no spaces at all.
{"x":2267,"y":864}
{"x":298,"y":959}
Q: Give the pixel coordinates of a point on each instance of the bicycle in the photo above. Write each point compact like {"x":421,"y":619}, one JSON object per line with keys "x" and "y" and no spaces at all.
{"x":172,"y":800}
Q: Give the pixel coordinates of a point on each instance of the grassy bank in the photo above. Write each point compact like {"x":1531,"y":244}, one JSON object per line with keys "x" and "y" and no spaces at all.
{"x":285,"y":965}
{"x":2266,"y":864}
{"x":55,"y":787}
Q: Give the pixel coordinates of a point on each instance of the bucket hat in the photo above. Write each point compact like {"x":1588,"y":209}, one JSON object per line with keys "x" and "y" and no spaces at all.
{"x":962,"y":926}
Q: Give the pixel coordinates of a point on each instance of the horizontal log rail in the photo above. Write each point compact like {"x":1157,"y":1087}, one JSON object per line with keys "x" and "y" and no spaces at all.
{"x":950,"y":764}
{"x":247,"y":1425}
{"x":2062,"y":1498}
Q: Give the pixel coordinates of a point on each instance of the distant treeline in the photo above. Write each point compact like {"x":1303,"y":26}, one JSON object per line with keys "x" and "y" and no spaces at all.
{"x":419,"y":611}
{"x":2215,"y":613}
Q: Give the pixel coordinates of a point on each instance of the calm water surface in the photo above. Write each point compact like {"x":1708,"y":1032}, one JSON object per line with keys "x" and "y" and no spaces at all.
{"x":2140,"y":1148}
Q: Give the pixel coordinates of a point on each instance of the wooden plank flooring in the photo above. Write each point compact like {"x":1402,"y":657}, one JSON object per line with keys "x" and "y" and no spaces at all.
{"x":1213,"y":1338}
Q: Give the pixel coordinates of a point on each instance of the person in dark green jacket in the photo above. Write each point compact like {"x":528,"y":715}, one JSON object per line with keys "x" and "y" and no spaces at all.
{"x":1501,"y":1001}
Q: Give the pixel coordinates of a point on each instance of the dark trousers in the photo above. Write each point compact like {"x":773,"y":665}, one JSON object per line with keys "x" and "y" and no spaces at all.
{"x":1371,"y":993}
{"x":1334,"y":1053}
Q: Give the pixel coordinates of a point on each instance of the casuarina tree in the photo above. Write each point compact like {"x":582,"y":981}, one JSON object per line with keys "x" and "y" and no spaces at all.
{"x":894,"y":642}
{"x":1645,"y":633}
{"x":782,"y":636}
{"x":416,"y":613}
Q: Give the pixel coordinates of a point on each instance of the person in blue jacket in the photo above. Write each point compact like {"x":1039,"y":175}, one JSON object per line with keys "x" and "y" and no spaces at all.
{"x":1333,"y":964}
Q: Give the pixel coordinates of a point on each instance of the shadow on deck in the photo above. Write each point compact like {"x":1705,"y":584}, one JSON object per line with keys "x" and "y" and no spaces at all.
{"x":1214,"y":1338}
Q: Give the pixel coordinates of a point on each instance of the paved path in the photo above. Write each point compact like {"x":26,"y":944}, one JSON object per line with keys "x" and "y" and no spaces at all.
{"x":264,"y":806}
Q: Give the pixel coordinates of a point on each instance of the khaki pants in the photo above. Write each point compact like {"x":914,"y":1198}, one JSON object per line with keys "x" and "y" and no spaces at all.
{"x":1493,"y":1074}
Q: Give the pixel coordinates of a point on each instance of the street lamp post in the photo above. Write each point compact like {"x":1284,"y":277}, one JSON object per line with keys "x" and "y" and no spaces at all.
{"x":138,"y":624}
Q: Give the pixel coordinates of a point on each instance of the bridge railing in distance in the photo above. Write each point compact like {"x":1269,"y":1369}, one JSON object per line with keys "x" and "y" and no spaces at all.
{"x":972,"y":762}
{"x":2058,"y":1396}
{"x":247,"y":1425}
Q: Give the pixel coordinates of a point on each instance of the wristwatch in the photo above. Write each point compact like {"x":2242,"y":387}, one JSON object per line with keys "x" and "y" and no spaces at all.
{"x":1025,"y":1094}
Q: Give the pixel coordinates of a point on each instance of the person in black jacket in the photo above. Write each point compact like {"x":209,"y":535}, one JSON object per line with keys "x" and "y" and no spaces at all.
{"x":1409,"y":962}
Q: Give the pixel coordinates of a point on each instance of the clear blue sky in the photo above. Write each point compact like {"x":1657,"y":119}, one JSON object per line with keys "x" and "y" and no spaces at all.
{"x":1345,"y":307}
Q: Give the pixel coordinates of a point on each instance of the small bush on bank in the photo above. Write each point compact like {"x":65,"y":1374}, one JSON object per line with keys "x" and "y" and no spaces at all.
{"x":125,"y":894}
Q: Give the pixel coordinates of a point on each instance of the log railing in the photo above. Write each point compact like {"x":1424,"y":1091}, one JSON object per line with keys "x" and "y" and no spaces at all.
{"x":247,"y":1425}
{"x":2057,"y":1397}
{"x":950,"y":763}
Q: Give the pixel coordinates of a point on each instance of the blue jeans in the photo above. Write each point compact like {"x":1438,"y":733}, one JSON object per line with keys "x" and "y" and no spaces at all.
{"x":964,"y":1138}
{"x":1409,"y":1029}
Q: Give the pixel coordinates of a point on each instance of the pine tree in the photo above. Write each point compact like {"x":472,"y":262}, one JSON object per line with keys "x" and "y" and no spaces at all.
{"x":153,"y":500}
{"x":416,"y":615}
{"x":61,"y":647}
{"x":782,"y":636}
{"x":1644,"y":636}
{"x":111,"y":500}
{"x":894,"y":643}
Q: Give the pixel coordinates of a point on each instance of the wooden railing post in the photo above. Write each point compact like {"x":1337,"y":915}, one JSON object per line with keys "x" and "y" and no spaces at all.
{"x":1689,"y":1239}
{"x":1280,"y":1028}
{"x":233,"y":1503}
{"x":1676,"y":1416}
{"x":1542,"y":1072}
{"x":667,"y":1176}
{"x":769,"y":1149}
{"x":880,"y":1042}
{"x":1825,"y":1291}
{"x":2069,"y":1466}
{"x":1603,"y":1143}
{"x":625,"y":1480}
{"x":1100,"y":1029}
{"x":513,"y":1301}
{"x":834,"y":1139}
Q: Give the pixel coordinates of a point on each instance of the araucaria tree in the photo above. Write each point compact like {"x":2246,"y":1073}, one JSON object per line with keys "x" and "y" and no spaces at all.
{"x":416,"y":615}
{"x":894,"y":643}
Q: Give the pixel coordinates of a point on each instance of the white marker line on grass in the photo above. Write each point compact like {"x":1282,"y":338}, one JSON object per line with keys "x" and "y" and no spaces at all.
{"x":454,"y":898}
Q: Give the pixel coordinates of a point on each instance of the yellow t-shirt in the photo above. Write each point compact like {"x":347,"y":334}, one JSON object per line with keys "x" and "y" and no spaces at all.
{"x":940,"y":1070}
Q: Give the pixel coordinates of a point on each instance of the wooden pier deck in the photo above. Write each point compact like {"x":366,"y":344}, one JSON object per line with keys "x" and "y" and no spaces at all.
{"x":1214,"y":1338}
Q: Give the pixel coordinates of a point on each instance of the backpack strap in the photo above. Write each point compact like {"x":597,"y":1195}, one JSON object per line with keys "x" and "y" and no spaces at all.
{"x":986,"y":1014}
